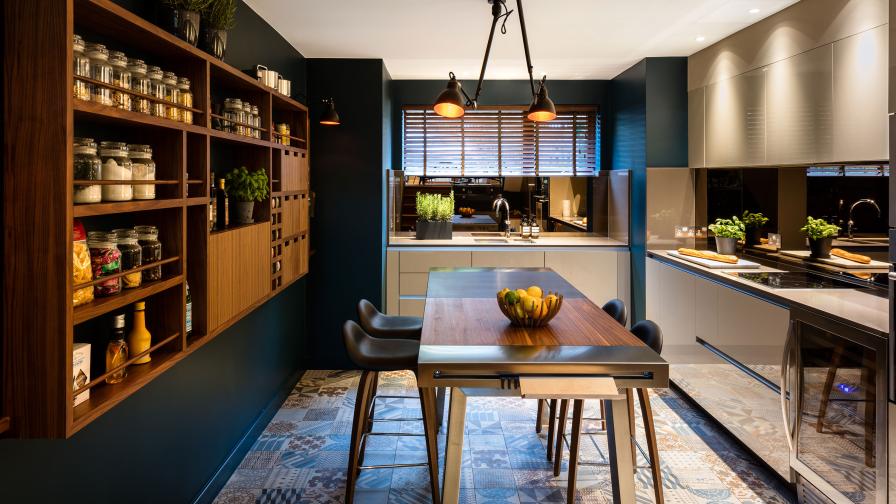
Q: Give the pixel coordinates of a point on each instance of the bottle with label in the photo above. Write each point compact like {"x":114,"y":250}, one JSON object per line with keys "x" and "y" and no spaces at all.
{"x":139,"y":339}
{"x":212,"y":208}
{"x":525,"y":227}
{"x":222,"y":220}
{"x":117,"y":351}
{"x":189,"y":309}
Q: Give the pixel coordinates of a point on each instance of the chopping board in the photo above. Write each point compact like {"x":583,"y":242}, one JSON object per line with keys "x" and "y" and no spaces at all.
{"x":709,"y":263}
{"x":836,"y":261}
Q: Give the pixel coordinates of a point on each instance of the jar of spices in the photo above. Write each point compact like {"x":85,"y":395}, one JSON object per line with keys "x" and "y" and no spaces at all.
{"x":130,"y":258}
{"x":185,"y":98}
{"x":171,"y":95}
{"x":82,"y":69}
{"x":158,"y":90}
{"x":151,"y":250}
{"x":116,"y":166}
{"x":283,"y":130}
{"x":100,"y":70}
{"x":121,"y":77}
{"x":232,"y":109}
{"x":240,"y":115}
{"x":247,"y":119}
{"x":86,"y":166}
{"x":105,"y":260}
{"x":140,"y":83}
{"x":256,"y":121}
{"x":143,"y":168}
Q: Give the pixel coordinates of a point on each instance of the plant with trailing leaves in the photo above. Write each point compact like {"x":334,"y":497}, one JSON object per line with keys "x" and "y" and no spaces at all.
{"x":728,"y":228}
{"x":753,"y":220}
{"x":817,"y":229}
{"x":244,"y":185}
{"x":435,"y":207}
{"x":190,"y":5}
{"x":220,"y":14}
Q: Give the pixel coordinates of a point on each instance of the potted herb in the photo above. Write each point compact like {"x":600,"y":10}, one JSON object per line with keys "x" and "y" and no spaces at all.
{"x":821,"y":236}
{"x":753,"y":223}
{"x":218,"y":17}
{"x":245,"y":188}
{"x":186,"y":19}
{"x":434,"y":213}
{"x":727,"y":232}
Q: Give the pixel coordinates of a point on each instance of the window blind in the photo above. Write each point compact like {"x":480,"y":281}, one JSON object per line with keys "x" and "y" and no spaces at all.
{"x":500,"y":141}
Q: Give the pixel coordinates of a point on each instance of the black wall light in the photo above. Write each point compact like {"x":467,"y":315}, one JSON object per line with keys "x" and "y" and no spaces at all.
{"x":329,"y":117}
{"x":453,"y":100}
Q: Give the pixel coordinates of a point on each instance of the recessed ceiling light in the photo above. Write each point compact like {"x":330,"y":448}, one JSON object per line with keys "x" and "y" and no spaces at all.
{"x":700,"y":38}
{"x":754,"y":11}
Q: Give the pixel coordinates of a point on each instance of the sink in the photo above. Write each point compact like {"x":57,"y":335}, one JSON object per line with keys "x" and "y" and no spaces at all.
{"x":490,"y":240}
{"x":495,"y":234}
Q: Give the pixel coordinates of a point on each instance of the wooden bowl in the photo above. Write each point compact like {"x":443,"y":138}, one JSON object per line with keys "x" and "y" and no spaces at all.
{"x":521,"y":318}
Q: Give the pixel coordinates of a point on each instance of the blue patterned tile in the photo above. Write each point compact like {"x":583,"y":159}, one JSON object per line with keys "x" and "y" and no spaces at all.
{"x":410,"y":496}
{"x":497,"y":496}
{"x":493,"y":478}
{"x":382,"y":443}
{"x":299,"y":459}
{"x":279,"y":495}
{"x":375,"y":479}
{"x":410,"y":477}
{"x":270,"y":443}
{"x":486,"y":442}
{"x":411,"y":443}
{"x":368,"y":496}
{"x":490,"y":459}
{"x":537,"y":495}
{"x":521,"y":442}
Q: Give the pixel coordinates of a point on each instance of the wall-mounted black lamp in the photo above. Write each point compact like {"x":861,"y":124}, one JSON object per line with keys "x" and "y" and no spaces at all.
{"x":329,"y":117}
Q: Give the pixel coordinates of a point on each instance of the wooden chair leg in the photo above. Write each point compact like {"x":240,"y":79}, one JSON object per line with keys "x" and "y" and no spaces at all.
{"x":575,"y":435}
{"x":828,"y":386}
{"x":428,"y":407}
{"x":603,"y":416}
{"x":374,"y":383}
{"x":631,"y":425}
{"x":561,"y":428}
{"x":652,"y":448}
{"x":552,"y":413}
{"x":539,"y":416}
{"x":362,"y":405}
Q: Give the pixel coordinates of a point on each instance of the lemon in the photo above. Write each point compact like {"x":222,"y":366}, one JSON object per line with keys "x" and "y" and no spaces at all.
{"x":503,"y":292}
{"x":519,"y":311}
{"x":534,"y":291}
{"x":537,"y":306}
{"x":521,"y":292}
{"x":530,"y":304}
{"x":511,"y":297}
{"x":543,"y":310}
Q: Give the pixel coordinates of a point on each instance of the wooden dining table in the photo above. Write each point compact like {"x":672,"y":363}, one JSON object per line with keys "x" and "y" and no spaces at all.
{"x":470,"y":346}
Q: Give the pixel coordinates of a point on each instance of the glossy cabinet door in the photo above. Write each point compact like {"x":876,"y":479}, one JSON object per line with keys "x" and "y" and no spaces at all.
{"x":593,"y":272}
{"x":696,"y":123}
{"x":799,"y":102}
{"x":735,"y":121}
{"x":860,"y":96}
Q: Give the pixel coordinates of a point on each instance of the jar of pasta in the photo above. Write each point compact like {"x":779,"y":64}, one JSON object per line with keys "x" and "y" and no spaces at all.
{"x":116,"y":166}
{"x":100,"y":70}
{"x":81,"y":269}
{"x":121,"y":77}
{"x":172,"y":95}
{"x":82,"y":69}
{"x":185,"y":98}
{"x":140,"y":83}
{"x":142,"y":168}
{"x":158,"y":90}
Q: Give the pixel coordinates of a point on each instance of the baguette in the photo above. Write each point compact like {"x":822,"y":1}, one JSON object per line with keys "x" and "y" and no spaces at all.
{"x":849,"y":256}
{"x":705,"y":254}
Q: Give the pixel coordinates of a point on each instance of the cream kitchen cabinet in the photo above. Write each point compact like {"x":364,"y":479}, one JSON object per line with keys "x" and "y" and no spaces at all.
{"x":696,"y":121}
{"x":735,"y":121}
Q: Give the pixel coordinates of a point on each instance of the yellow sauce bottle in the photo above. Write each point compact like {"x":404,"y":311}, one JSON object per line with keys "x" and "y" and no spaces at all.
{"x":139,"y":339}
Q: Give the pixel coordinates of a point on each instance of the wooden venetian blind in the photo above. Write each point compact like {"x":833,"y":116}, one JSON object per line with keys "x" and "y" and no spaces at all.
{"x":500,"y":141}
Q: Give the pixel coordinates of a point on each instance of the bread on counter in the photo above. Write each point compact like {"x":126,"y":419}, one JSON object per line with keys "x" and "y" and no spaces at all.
{"x":849,"y":256}
{"x":705,"y":254}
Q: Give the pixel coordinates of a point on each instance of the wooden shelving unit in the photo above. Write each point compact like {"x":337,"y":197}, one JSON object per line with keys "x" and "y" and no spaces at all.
{"x":230,"y":273}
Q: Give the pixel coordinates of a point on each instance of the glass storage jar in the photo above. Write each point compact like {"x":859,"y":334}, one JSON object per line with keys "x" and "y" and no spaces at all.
{"x":185,"y":98}
{"x":233,"y":109}
{"x":140,"y":83}
{"x":86,"y":166}
{"x":121,"y":77}
{"x":143,"y":168}
{"x":81,"y":69}
{"x":151,"y":250}
{"x":240,"y":113}
{"x":256,"y":121}
{"x":158,"y":90}
{"x":116,"y":166}
{"x":247,"y":118}
{"x":100,"y":70}
{"x":130,"y":258}
{"x":105,"y":260}
{"x":171,"y":96}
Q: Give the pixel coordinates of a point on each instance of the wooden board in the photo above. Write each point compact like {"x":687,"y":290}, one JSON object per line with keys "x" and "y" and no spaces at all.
{"x":709,"y":263}
{"x":543,"y":387}
{"x":836,"y":261}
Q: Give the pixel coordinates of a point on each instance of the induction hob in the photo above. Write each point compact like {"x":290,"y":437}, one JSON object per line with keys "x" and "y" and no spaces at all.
{"x":795,"y":280}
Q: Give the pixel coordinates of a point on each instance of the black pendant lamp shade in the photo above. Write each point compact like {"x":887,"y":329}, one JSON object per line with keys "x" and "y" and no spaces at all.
{"x":329,"y":117}
{"x":542,"y":108}
{"x":451,"y":102}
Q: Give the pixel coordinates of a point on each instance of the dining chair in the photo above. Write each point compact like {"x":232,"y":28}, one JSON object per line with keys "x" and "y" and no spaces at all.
{"x":375,"y":355}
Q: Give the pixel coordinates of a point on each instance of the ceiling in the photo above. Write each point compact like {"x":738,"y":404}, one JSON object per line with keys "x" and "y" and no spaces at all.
{"x":569,"y":39}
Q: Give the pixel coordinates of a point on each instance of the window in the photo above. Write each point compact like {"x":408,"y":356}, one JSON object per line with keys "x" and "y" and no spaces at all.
{"x":500,"y":141}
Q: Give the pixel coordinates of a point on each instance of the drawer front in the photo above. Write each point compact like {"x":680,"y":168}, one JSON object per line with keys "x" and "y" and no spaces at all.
{"x":420,"y":261}
{"x":413,"y":284}
{"x":411,"y":306}
{"x":513,"y":259}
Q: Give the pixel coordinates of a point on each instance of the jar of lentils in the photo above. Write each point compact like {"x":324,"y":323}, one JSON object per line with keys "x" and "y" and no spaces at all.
{"x":171,"y":96}
{"x":121,"y":77}
{"x":100,"y":70}
{"x":158,"y":90}
{"x":82,"y":69}
{"x":151,"y":250}
{"x":86,"y":166}
{"x":140,"y":83}
{"x":116,"y":166}
{"x":143,"y":168}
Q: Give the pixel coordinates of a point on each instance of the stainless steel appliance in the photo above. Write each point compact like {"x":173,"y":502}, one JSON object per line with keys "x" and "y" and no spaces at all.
{"x":266,"y":77}
{"x":795,"y":280}
{"x":834,"y":404}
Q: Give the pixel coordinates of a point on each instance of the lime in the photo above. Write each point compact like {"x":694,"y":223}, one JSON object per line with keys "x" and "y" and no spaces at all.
{"x":511,"y":298}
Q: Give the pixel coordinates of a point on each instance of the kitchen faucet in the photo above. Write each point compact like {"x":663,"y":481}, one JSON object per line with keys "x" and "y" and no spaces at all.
{"x":850,"y":224}
{"x":496,"y":206}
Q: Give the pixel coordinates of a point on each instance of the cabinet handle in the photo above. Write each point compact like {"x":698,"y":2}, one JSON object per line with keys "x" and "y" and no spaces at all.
{"x":785,"y":385}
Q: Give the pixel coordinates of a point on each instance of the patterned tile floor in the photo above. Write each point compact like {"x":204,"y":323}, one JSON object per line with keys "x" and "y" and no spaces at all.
{"x":302,"y":455}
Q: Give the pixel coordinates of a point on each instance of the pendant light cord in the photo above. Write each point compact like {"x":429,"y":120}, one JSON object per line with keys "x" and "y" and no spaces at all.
{"x":497,"y":7}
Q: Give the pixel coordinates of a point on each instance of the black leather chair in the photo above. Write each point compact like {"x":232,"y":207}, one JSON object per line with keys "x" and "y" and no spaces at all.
{"x":380,"y":325}
{"x":373,"y":355}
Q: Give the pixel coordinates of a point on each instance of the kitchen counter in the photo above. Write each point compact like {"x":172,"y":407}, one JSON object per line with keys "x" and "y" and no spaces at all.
{"x":851,"y":306}
{"x":476,"y":240}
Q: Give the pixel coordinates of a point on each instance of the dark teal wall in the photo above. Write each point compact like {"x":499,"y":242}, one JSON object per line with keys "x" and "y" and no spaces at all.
{"x":667,"y":112}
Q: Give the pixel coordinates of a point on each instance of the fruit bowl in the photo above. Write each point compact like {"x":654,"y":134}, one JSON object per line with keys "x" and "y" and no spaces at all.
{"x":527,"y":308}
{"x":466,"y":212}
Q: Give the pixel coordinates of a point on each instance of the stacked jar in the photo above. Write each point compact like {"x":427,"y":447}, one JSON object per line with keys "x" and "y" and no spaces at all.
{"x":121,"y":78}
{"x":151,"y":250}
{"x":256,"y":121}
{"x":158,"y":90}
{"x":131,"y":256}
{"x":81,"y":69}
{"x":185,"y":99}
{"x":105,"y":260}
{"x":100,"y":70}
{"x":116,"y":166}
{"x":140,"y":83}
{"x":86,"y":166}
{"x":142,"y":168}
{"x":172,"y":95}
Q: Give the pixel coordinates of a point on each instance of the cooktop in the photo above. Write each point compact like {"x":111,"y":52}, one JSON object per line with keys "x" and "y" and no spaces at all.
{"x":795,"y":280}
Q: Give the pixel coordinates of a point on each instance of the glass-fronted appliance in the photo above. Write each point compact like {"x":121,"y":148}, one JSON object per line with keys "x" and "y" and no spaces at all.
{"x":835,"y":407}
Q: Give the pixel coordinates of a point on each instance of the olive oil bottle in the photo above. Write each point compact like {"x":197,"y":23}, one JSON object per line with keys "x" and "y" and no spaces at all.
{"x":222,"y":213}
{"x":117,"y":351}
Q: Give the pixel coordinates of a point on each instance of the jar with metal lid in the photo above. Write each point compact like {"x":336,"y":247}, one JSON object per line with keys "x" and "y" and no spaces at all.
{"x":240,"y":112}
{"x":81,"y":69}
{"x":151,"y":250}
{"x":233,"y":109}
{"x":100,"y":70}
{"x":256,"y":121}
{"x":158,"y":91}
{"x":86,"y":166}
{"x":131,"y":253}
{"x":142,"y":168}
{"x":140,"y":83}
{"x":185,"y":98}
{"x":105,"y":260}
{"x":121,"y":77}
{"x":171,"y":95}
{"x":116,"y":166}
{"x":247,"y":118}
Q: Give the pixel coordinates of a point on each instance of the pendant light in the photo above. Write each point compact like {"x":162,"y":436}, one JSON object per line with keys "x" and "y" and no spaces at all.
{"x":329,"y":117}
{"x":451,"y":102}
{"x":542,"y":108}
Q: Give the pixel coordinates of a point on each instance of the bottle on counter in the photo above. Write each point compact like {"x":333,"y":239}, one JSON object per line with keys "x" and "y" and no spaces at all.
{"x":189,"y":311}
{"x":212,"y":208}
{"x":139,"y":339}
{"x":525,"y":227}
{"x":117,"y":351}
{"x":222,"y":212}
{"x":536,"y":229}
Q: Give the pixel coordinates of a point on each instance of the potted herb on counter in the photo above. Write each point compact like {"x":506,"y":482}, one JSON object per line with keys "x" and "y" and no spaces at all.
{"x":753,"y":223}
{"x":186,"y":19}
{"x":218,"y":17}
{"x":245,"y":188}
{"x":821,"y":236}
{"x":434,"y":213}
{"x":727,"y":232}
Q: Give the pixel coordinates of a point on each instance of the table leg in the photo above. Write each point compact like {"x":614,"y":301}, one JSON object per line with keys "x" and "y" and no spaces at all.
{"x":428,"y":403}
{"x":440,"y":407}
{"x":454,"y":446}
{"x":619,"y":438}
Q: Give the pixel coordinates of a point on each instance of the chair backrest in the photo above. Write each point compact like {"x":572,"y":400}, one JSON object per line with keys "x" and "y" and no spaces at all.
{"x":354,"y":338}
{"x":366,"y":314}
{"x":616,"y":309}
{"x":650,"y":333}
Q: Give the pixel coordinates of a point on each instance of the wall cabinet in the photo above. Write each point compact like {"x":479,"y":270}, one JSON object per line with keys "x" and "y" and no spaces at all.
{"x":735,"y":121}
{"x":696,"y":133}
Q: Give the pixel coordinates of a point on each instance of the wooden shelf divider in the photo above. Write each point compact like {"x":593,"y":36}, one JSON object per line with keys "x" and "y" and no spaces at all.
{"x":115,"y":207}
{"x":104,"y":305}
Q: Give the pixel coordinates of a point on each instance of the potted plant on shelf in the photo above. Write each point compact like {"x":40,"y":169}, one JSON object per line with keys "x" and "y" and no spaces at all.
{"x":753,"y":223}
{"x":434,"y":213}
{"x":727,"y":232}
{"x":186,"y":18}
{"x":245,"y":188}
{"x":821,"y":237}
{"x":218,"y":17}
